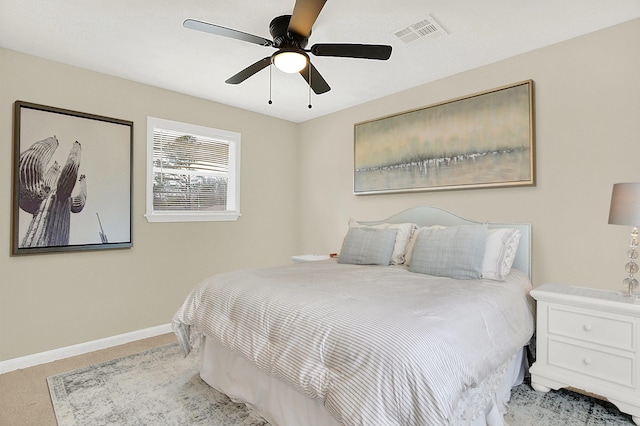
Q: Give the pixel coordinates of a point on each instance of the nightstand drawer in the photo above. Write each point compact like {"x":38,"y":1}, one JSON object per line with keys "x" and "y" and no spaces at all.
{"x":590,"y":327}
{"x":602,"y":365}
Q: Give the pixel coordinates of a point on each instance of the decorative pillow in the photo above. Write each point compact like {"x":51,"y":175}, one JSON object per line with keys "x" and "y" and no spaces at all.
{"x":455,"y":252}
{"x":368,"y":246}
{"x":412,"y":241}
{"x":405,"y":232}
{"x":500,"y":252}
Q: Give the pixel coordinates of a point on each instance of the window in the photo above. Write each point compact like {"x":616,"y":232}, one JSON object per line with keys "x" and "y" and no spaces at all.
{"x":192,"y":172}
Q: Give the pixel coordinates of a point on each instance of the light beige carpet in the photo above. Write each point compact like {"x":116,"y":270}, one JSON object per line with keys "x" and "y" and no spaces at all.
{"x":24,"y":394}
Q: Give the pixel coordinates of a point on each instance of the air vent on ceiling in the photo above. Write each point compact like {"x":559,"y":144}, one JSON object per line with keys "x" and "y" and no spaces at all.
{"x":425,"y":29}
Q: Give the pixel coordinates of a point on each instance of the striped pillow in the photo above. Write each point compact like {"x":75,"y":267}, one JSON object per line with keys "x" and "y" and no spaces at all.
{"x":368,"y":246}
{"x":455,"y":252}
{"x":405,"y":232}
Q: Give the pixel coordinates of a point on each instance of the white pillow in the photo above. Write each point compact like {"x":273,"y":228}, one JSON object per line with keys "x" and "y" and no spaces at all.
{"x":405,"y":231}
{"x":414,"y":237}
{"x":500,"y":252}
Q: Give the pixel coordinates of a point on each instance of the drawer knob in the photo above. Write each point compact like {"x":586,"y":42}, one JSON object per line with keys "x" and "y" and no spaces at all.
{"x":587,"y":361}
{"x":587,"y":327}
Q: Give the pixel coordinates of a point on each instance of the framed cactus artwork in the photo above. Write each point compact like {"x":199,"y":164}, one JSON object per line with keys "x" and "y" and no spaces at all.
{"x":72,"y":181}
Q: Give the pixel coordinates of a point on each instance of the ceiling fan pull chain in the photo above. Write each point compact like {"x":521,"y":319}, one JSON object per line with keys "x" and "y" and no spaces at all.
{"x":309,"y":66}
{"x":270,"y":102}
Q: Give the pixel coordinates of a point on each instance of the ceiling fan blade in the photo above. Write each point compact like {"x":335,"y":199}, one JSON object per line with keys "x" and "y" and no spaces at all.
{"x":225,"y":32}
{"x":365,"y":51}
{"x":249,"y":71}
{"x":304,"y":15}
{"x":317,"y":83}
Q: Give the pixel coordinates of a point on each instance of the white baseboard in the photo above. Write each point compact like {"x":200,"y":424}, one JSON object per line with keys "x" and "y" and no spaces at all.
{"x":82,"y":348}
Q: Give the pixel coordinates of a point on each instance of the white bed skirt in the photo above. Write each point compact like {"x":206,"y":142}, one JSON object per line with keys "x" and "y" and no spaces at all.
{"x":282,"y":405}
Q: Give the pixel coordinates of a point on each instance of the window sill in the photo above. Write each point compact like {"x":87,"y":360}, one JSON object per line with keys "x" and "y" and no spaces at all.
{"x":194,"y":217}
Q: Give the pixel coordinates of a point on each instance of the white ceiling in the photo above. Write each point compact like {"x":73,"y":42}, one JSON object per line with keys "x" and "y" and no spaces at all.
{"x":144,"y":41}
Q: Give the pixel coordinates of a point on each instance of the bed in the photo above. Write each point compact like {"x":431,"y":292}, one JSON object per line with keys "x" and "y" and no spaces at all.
{"x":422,"y":319}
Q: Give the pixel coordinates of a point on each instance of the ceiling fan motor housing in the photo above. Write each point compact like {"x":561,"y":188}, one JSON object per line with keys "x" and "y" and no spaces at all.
{"x":282,"y":37}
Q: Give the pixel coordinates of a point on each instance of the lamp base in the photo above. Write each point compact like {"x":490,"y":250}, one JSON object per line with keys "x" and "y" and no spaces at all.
{"x":631,"y":287}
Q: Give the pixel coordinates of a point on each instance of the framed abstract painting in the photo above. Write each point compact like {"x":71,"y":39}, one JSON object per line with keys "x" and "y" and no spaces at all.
{"x":478,"y":141}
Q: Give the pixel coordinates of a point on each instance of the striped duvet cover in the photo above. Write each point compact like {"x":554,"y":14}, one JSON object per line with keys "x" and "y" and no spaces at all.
{"x":381,"y":345}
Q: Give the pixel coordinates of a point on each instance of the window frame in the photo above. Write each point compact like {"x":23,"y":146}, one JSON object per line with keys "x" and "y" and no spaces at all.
{"x":233,"y":188}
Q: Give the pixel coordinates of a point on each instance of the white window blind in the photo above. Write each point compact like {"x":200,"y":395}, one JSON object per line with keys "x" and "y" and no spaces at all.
{"x":193,"y":172}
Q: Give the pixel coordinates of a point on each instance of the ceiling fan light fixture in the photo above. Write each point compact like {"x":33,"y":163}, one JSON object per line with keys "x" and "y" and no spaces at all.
{"x":290,"y":61}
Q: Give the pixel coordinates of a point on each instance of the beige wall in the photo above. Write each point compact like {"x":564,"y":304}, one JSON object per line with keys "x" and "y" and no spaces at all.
{"x":587,"y":95}
{"x":56,"y":300}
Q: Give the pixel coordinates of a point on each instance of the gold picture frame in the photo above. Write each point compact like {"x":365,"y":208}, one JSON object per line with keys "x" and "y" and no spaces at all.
{"x":484,"y":140}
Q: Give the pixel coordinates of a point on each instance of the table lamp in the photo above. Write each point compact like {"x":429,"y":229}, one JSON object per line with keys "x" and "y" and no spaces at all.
{"x":625,"y":210}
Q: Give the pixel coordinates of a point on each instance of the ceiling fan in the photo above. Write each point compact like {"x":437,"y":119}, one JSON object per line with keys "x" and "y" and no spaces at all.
{"x":290,"y":36}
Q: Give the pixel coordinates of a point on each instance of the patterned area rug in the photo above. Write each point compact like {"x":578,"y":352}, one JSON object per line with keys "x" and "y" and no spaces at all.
{"x":161,"y":387}
{"x":562,"y":407}
{"x":157,"y":387}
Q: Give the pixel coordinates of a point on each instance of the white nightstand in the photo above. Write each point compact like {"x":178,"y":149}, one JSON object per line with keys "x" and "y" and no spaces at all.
{"x":309,"y":257}
{"x":588,"y":339}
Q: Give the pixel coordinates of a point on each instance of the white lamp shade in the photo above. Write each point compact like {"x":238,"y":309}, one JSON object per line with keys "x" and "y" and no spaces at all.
{"x":625,"y":204}
{"x":290,"y":61}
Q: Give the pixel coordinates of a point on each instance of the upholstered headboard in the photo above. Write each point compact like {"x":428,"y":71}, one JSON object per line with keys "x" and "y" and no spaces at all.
{"x":429,"y":216}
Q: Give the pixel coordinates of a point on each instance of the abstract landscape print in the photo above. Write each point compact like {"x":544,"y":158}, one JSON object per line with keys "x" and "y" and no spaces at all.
{"x":482,"y":140}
